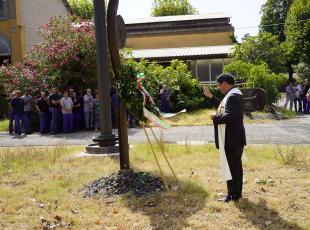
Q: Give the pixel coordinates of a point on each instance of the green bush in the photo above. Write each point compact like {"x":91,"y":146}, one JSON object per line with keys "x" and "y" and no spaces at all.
{"x":240,"y":69}
{"x":302,"y":70}
{"x":263,"y":78}
{"x":186,"y":91}
{"x":3,"y":107}
{"x":82,"y":8}
{"x":260,"y":75}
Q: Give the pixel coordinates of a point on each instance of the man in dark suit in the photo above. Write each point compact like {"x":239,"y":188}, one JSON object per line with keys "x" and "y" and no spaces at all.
{"x":230,"y":113}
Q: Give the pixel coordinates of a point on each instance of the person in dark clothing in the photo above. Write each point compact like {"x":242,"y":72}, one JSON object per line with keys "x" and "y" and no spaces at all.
{"x":230,"y":135}
{"x":164,"y":99}
{"x":305,"y":90}
{"x":43,"y":109}
{"x":76,"y":112}
{"x":114,"y":108}
{"x":11,"y":115}
{"x":54,"y":102}
{"x":81,"y":100}
{"x":17,"y":106}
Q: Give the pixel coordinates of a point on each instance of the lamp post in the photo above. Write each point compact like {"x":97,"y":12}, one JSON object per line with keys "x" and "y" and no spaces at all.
{"x":106,"y":137}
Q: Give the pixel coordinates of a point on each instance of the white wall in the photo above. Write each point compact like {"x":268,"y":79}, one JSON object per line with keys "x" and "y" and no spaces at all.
{"x":35,"y":13}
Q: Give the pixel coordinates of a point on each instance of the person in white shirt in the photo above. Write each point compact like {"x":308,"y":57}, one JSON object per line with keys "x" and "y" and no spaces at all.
{"x":27,"y":98}
{"x":67,"y":115}
{"x":88,"y":110}
{"x":290,"y":95}
{"x":298,"y":99}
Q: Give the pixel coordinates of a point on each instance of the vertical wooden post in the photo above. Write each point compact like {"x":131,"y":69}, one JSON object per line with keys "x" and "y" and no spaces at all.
{"x":115,"y":59}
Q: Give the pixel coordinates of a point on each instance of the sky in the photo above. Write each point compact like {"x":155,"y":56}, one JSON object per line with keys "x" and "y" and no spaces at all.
{"x":244,"y":13}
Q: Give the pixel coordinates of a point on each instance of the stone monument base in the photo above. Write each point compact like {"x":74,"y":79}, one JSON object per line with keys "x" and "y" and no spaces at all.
{"x":95,"y":149}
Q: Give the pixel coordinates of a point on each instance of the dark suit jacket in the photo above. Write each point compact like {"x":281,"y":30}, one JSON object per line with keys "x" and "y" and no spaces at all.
{"x":233,"y":118}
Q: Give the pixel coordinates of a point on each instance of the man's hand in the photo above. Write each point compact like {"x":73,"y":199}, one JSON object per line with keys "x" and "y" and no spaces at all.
{"x":207,"y":92}
{"x":212,"y":116}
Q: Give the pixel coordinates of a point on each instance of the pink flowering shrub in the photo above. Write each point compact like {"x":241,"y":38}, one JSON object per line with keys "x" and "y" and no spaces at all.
{"x":22,"y":77}
{"x":65,"y":58}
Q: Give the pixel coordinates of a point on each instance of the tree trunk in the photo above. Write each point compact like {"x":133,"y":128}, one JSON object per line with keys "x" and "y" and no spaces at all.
{"x":290,"y":71}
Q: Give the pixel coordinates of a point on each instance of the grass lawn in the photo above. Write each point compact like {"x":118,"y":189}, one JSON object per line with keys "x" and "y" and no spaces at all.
{"x":43,"y":184}
{"x":4,"y":124}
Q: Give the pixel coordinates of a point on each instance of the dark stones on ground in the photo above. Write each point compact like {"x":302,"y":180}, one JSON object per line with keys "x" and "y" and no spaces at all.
{"x":269,"y":116}
{"x":124,"y":182}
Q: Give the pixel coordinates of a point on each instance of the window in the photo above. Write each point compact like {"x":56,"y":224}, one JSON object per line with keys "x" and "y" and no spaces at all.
{"x":4,"y":48}
{"x":203,"y":70}
{"x":3,"y":8}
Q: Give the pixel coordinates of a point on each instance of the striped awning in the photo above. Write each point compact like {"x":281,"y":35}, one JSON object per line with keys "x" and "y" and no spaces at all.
{"x":184,"y":52}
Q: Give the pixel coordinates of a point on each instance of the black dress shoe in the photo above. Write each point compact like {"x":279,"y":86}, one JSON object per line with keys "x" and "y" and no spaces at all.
{"x":229,"y":198}
{"x":225,"y":199}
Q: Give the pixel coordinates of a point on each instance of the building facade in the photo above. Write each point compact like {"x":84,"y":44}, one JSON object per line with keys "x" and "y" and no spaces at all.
{"x":19,"y":22}
{"x":203,"y":41}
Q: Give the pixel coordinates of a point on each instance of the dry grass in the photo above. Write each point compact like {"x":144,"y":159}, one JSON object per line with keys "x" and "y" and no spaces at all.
{"x":44,"y":182}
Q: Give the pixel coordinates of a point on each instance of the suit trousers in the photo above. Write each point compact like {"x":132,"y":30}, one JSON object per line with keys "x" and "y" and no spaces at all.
{"x":233,"y":156}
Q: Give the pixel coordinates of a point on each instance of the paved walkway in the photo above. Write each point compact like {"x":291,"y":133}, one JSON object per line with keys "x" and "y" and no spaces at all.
{"x":295,"y":131}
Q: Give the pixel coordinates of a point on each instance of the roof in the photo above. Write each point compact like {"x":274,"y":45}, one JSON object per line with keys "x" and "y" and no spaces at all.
{"x":207,"y":23}
{"x":194,"y":53}
{"x":177,"y":18}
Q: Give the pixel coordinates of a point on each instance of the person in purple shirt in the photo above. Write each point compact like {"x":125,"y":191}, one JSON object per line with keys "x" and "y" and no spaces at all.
{"x":164,"y":99}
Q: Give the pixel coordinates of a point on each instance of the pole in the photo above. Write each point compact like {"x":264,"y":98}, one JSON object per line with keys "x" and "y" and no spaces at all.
{"x":115,"y":59}
{"x":106,"y":138}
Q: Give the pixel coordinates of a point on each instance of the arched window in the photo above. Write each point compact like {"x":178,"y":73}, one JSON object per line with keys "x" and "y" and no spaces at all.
{"x":4,"y":48}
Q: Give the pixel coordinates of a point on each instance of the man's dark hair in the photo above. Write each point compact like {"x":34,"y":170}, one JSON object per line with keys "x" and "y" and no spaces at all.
{"x":227,"y":78}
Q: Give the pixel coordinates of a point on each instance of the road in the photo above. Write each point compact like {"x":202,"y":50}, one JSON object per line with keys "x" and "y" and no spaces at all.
{"x":294,"y":131}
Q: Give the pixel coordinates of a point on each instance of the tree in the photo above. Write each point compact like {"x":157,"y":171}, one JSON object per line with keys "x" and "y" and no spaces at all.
{"x":274,"y":14}
{"x":273,"y":18}
{"x":302,"y":70}
{"x":297,"y":29}
{"x":172,"y":7}
{"x":260,"y":75}
{"x":264,"y":47}
{"x":82,"y":8}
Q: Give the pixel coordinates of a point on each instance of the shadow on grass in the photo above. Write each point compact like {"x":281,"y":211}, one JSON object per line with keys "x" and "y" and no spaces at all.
{"x":171,"y":209}
{"x":264,"y":217}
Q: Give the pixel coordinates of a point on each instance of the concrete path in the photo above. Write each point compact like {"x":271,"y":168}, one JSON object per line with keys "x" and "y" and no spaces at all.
{"x":295,"y":131}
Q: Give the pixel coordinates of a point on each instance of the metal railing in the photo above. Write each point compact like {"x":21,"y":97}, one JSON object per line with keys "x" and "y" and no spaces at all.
{"x":240,"y":85}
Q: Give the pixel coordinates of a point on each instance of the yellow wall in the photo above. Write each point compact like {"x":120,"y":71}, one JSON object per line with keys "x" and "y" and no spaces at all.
{"x":180,"y":40}
{"x":13,"y":32}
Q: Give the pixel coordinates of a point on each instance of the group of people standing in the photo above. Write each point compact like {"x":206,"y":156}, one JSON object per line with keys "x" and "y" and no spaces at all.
{"x":298,"y":95}
{"x":66,"y":111}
